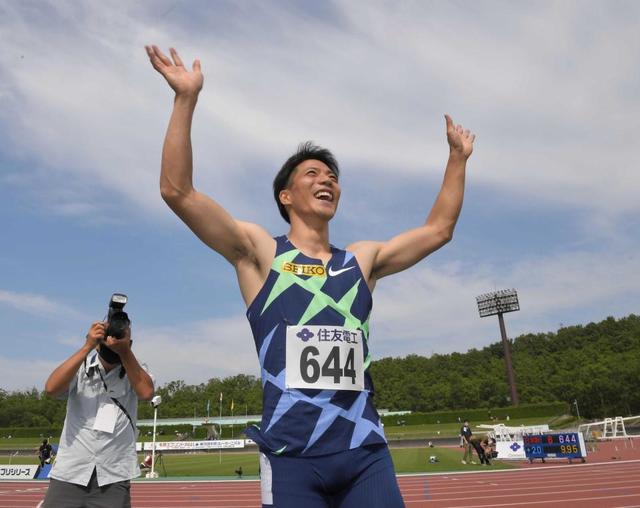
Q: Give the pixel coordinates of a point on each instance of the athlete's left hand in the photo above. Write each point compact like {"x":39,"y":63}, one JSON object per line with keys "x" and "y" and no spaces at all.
{"x":460,"y":139}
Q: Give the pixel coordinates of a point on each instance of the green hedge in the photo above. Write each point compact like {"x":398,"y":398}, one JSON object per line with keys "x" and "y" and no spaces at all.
{"x":476,"y":415}
{"x":30,"y":431}
{"x":200,"y":433}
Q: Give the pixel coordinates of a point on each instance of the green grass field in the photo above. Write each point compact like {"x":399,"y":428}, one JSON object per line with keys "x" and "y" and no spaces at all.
{"x":406,"y":460}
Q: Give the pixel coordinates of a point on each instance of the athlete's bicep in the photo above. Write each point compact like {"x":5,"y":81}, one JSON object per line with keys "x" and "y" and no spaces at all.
{"x":212,"y":224}
{"x":405,"y":250}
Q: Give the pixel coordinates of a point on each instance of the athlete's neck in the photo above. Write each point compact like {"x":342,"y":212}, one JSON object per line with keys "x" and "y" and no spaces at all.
{"x":314,"y":242}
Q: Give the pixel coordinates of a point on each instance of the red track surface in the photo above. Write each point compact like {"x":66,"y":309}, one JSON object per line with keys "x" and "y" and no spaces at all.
{"x":605,"y":481}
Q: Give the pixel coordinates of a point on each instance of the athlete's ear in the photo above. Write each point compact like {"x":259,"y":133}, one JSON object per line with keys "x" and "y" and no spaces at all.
{"x":285,"y":197}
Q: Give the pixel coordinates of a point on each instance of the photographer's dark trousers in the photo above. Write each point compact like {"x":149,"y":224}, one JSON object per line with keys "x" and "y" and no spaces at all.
{"x":69,"y":495}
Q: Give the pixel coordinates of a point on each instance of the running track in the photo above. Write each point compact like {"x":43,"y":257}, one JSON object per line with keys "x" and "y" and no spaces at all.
{"x":601,"y":485}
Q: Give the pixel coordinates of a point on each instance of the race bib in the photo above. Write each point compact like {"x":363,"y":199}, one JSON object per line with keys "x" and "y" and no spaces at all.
{"x":324,"y":358}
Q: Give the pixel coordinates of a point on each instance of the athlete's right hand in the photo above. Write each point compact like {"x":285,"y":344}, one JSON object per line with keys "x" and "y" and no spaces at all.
{"x":182,"y":81}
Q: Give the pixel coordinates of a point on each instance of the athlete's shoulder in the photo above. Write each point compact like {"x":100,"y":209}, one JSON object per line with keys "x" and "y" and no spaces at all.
{"x":253,"y":228}
{"x":364,"y":250}
{"x":258,"y":236}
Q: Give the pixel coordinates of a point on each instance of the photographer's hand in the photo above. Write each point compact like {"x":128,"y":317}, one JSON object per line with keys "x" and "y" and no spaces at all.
{"x":61,"y":377}
{"x":120,"y":346}
{"x":95,"y":335}
{"x":138,"y":378}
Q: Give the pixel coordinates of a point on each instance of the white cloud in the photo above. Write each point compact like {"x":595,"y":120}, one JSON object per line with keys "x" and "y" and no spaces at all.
{"x":433,"y":309}
{"x":35,"y":304}
{"x":429,"y":309}
{"x":551,"y":89}
{"x":193,"y":352}
{"x":196,"y":352}
{"x":20,"y":374}
{"x":552,"y":113}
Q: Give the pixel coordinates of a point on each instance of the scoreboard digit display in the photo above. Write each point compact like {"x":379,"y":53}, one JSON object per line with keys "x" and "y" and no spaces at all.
{"x":569,"y":445}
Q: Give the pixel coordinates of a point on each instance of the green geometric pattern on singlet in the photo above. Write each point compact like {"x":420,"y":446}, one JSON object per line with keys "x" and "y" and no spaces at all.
{"x":320,"y":300}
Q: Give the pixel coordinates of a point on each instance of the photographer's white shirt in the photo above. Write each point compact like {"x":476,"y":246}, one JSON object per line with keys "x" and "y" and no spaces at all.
{"x":82,"y":447}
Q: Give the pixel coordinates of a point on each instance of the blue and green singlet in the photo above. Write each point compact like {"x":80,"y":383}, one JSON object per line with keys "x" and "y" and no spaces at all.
{"x":300,"y":293}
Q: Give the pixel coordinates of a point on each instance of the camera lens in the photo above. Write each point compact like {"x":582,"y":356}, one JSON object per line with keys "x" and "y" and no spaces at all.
{"x":118,"y":324}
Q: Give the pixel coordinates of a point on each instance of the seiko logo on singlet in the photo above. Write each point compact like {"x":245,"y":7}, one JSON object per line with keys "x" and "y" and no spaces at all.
{"x":309,"y":270}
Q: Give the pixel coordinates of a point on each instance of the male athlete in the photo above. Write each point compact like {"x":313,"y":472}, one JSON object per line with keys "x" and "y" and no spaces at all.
{"x":308,"y":305}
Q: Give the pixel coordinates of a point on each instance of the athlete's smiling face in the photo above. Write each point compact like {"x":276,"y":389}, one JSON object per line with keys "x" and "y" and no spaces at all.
{"x":313,"y":189}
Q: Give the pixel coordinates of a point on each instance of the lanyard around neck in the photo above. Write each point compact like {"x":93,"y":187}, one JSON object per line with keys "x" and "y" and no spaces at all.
{"x":104,"y":383}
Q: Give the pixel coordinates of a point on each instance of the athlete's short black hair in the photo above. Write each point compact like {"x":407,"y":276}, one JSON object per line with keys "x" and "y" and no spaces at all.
{"x":307,"y":150}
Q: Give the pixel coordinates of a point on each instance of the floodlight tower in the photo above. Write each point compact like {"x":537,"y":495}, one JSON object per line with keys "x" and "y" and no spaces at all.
{"x":500,"y":302}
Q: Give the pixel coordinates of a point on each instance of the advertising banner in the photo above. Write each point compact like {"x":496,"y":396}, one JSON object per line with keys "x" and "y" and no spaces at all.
{"x":196,"y":445}
{"x":17,"y":472}
{"x":510,"y":450}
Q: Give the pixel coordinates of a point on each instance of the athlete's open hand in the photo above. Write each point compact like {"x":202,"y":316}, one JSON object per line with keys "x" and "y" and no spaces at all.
{"x":180,"y":79}
{"x":460,"y":139}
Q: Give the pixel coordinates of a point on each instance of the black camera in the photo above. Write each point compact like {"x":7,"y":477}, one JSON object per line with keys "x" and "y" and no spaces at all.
{"x":117,"y":319}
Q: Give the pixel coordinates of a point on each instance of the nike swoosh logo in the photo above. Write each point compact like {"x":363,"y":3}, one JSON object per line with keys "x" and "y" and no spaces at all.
{"x":334,"y":273}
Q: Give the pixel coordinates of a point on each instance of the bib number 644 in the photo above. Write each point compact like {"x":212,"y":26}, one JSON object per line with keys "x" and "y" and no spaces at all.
{"x":310,"y":369}
{"x":323,"y":364}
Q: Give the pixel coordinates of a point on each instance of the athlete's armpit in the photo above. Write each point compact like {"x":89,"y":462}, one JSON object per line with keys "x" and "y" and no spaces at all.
{"x":366,"y":253}
{"x":252,"y":271}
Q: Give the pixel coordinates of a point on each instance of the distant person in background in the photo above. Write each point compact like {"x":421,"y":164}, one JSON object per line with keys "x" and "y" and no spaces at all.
{"x":102,"y":383}
{"x":489,"y":446}
{"x":44,"y":452}
{"x":147,"y":462}
{"x":484,"y":448}
{"x":465,"y":434}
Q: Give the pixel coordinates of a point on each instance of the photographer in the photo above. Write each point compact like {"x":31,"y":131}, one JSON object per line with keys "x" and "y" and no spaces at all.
{"x":102,"y":383}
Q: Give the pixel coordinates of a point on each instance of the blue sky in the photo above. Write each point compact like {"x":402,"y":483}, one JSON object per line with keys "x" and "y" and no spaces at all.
{"x":550,"y":88}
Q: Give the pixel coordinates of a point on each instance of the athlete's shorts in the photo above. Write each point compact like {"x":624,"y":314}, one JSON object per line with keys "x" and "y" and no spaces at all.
{"x":362,"y":477}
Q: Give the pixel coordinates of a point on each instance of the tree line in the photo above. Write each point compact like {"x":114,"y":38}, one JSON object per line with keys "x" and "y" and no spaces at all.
{"x":596,"y":365}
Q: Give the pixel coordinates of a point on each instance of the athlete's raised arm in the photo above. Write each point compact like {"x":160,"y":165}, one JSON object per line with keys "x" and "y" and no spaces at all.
{"x":244,"y":245}
{"x":379,"y":259}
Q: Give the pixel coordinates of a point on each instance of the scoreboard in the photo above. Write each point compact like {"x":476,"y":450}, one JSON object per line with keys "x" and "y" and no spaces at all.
{"x":569,"y":445}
